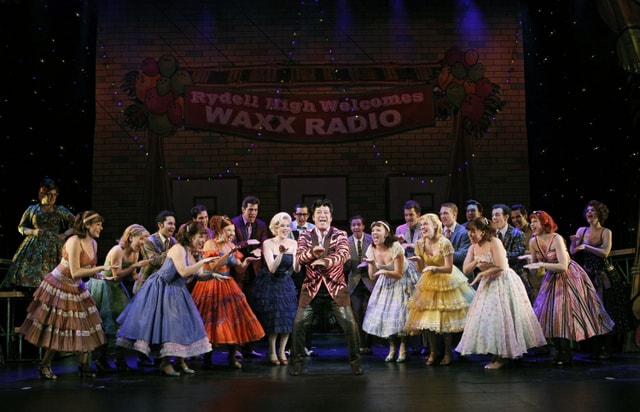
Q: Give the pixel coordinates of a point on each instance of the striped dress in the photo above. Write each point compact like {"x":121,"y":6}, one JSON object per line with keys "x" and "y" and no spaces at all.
{"x":568,"y":305}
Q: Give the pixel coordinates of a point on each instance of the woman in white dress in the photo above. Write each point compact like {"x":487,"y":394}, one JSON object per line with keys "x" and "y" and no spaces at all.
{"x":500,"y":320}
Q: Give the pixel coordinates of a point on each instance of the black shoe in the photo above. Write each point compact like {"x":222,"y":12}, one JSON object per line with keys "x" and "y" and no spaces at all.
{"x":297,"y":369}
{"x":355,"y":369}
{"x":145,"y":362}
{"x":252,"y":354}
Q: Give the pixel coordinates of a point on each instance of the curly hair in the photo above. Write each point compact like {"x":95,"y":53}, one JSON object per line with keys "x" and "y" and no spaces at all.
{"x":546,"y":221}
{"x":601,"y":209}
{"x":277,"y":220}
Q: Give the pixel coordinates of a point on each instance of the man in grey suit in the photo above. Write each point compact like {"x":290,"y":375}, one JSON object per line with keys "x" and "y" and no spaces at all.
{"x":360,"y":285}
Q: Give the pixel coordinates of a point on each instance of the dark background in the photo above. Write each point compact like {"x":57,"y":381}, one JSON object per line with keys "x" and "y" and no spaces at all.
{"x":580,"y":108}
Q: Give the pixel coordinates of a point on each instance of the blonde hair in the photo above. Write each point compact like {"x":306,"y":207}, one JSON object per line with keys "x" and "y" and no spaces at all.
{"x":131,"y":231}
{"x":277,"y":220}
{"x":435,"y":219}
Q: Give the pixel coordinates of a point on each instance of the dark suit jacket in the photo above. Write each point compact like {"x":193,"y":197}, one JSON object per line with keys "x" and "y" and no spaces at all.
{"x":515,"y":244}
{"x":336,"y":245}
{"x":354,"y":274}
{"x":258,"y":231}
{"x":461,"y":243}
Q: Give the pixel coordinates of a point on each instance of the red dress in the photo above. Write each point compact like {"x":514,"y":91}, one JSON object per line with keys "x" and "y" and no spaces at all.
{"x":227,"y":317}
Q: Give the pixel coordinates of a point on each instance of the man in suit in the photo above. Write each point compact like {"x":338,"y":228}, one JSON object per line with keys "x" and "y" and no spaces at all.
{"x":473,"y":209}
{"x":300,"y":225}
{"x":455,"y":232}
{"x":200,"y":214}
{"x":457,"y":235}
{"x":360,"y":285}
{"x":324,"y":250}
{"x":519,"y":218}
{"x":409,"y":232}
{"x":248,"y":226}
{"x":301,"y":222}
{"x":155,"y":247}
{"x":513,"y":239}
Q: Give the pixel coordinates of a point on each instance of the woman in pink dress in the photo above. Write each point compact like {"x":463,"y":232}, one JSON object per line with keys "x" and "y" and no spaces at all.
{"x":568,"y":306}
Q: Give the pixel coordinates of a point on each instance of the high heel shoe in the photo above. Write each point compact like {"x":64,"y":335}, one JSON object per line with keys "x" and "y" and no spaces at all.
{"x":431,"y":359}
{"x":233,"y":363}
{"x":283,"y":359}
{"x":46,"y":373}
{"x":182,"y":367}
{"x":273,"y":359}
{"x":391,"y":355}
{"x":167,"y":370}
{"x":85,"y":370}
{"x":122,"y":366}
{"x":496,"y":364}
{"x":446,"y":360}
{"x":402,"y":353}
{"x":103,"y":366}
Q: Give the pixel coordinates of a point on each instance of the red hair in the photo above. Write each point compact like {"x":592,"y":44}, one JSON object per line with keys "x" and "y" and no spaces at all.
{"x":546,"y":221}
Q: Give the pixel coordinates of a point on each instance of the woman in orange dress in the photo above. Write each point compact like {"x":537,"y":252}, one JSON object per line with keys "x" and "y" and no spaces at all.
{"x":228,"y":318}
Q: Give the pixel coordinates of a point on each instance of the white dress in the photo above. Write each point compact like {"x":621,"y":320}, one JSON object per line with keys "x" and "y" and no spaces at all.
{"x":501,"y":320}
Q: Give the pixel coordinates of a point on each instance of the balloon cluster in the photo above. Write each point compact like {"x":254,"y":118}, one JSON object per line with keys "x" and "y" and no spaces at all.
{"x":462,"y":86}
{"x":158,"y":93}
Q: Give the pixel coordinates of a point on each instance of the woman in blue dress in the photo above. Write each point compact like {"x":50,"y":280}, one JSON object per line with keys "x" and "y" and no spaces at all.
{"x":161,"y":320}
{"x":275,"y":298}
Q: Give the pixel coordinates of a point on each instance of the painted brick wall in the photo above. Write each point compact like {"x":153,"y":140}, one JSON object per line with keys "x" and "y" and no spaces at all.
{"x":243,"y":33}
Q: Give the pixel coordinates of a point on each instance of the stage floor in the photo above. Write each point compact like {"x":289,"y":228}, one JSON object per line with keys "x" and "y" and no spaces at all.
{"x":531,"y":384}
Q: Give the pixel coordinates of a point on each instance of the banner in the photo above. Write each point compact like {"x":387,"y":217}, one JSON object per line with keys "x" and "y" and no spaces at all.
{"x":308,"y":118}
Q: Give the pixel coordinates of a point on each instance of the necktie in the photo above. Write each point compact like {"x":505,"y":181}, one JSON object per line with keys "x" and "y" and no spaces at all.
{"x":447,"y":233}
{"x":359,"y":248}
{"x":166,"y":244}
{"x":411,"y":233}
{"x":248,"y":230}
{"x":499,"y":235}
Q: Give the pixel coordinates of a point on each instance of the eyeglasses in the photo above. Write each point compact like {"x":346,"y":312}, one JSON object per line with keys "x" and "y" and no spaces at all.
{"x":52,"y":194}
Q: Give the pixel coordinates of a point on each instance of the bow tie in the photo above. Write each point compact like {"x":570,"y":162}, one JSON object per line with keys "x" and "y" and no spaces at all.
{"x":302,"y":228}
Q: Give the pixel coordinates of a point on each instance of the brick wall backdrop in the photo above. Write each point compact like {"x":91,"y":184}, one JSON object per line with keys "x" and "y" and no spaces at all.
{"x":247,"y":33}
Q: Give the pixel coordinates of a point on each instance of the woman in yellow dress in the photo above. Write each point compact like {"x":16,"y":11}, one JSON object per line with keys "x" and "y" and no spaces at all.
{"x":442,"y":296}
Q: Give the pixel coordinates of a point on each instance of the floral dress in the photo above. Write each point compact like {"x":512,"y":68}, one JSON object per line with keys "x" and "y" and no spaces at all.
{"x":500,"y":320}
{"x":38,"y":255}
{"x":386,"y":312}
